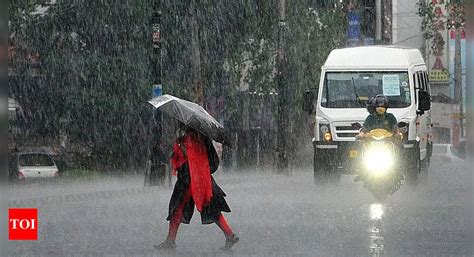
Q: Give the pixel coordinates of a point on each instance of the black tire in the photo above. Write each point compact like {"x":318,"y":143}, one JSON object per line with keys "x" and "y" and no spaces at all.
{"x":380,"y":196}
{"x":414,"y":168}
{"x":427,"y":160}
{"x":325,"y":169}
{"x":425,"y":163}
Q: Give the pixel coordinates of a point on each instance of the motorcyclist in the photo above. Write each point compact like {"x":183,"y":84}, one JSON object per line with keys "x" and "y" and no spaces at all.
{"x":379,"y":117}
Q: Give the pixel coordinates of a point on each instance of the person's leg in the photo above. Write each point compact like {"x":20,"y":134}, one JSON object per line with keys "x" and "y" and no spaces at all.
{"x":175,"y":221}
{"x":177,"y":217}
{"x":224,"y":226}
{"x":231,"y":238}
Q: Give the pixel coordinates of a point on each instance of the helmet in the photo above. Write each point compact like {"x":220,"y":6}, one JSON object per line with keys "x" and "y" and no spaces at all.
{"x":377,"y":101}
{"x":380,"y":101}
{"x":370,"y":105}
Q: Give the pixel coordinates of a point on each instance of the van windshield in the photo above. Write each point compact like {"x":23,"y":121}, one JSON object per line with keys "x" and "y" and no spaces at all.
{"x":354,"y":89}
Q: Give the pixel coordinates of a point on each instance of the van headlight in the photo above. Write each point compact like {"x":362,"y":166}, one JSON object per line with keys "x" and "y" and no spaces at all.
{"x":378,"y":160}
{"x":324,"y":128}
{"x":324,"y":132}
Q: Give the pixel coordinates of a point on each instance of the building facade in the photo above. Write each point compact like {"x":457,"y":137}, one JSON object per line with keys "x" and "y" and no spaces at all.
{"x":398,"y":22}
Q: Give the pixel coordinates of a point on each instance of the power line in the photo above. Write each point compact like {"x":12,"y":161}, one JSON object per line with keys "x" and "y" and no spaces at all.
{"x":406,"y":39}
{"x":402,"y":28}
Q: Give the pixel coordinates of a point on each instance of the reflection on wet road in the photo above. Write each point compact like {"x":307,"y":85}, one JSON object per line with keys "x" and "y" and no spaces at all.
{"x":274,"y":215}
{"x":376,"y":246}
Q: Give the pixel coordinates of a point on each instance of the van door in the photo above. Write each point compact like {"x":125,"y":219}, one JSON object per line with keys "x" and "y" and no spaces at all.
{"x":427,"y":116}
{"x":423,"y":120}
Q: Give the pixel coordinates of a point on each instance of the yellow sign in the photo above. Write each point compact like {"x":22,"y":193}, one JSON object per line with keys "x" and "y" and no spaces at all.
{"x":353,"y":154}
{"x":457,"y":116}
{"x":439,"y":75}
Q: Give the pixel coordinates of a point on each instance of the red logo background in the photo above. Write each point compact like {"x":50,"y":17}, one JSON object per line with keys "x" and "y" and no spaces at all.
{"x":19,"y":233}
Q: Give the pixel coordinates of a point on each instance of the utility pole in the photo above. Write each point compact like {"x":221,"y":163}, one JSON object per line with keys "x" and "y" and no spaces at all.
{"x":458,"y":74}
{"x":282,"y":89}
{"x":469,"y":88}
{"x":457,"y":21}
{"x":387,"y":21}
{"x":156,"y":166}
{"x":198,"y":90}
{"x":425,"y":43}
{"x":378,"y":20}
{"x":157,"y":69}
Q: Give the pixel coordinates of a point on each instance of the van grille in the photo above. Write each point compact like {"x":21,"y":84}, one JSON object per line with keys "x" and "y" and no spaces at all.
{"x":347,"y":134}
{"x":344,"y":128}
{"x":345,"y":131}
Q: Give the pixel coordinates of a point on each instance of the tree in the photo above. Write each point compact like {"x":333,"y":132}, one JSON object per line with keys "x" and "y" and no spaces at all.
{"x":94,"y":75}
{"x":95,"y":72}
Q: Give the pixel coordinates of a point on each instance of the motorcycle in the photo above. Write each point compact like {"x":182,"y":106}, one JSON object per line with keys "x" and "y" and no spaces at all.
{"x":378,"y":170}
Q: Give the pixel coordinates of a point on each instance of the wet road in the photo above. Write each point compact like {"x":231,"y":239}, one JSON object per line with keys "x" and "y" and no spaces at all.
{"x":274,"y":215}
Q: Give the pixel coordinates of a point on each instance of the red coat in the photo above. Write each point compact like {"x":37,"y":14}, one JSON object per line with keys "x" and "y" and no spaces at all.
{"x":194,"y":158}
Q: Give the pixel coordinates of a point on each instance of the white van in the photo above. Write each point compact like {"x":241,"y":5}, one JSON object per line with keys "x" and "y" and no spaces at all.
{"x":352,"y":76}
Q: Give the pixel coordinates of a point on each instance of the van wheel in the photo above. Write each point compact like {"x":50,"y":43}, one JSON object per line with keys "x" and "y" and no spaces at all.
{"x":325,"y":171}
{"x":427,"y":160}
{"x":380,"y":196}
{"x":414,"y":169}
{"x":424,"y":166}
{"x":323,"y":174}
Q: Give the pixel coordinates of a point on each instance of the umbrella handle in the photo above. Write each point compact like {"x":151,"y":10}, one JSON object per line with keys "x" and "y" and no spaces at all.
{"x":183,"y":149}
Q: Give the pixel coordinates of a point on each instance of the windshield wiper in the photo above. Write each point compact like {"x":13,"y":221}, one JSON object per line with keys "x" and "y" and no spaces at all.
{"x":357,"y":95}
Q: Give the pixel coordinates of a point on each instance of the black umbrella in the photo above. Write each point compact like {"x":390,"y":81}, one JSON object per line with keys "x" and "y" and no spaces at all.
{"x":190,"y":114}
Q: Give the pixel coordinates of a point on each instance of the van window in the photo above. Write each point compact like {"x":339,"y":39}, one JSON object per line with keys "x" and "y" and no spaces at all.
{"x":415,"y":83}
{"x":422,"y":80}
{"x":421,"y":83}
{"x":354,"y":89}
{"x":427,"y":82}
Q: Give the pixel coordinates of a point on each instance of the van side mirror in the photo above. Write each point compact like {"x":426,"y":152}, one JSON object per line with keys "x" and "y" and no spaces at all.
{"x":356,"y":125}
{"x":402,"y":124}
{"x":308,"y":102}
{"x":424,"y":101}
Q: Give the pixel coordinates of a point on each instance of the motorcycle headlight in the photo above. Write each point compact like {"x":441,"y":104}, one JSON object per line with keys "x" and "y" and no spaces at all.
{"x":378,"y":160}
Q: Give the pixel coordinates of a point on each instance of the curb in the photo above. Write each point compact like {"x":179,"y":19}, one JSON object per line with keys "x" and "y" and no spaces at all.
{"x":81,"y":196}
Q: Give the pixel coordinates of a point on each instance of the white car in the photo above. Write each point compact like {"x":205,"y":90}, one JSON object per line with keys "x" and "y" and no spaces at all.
{"x":445,"y":152}
{"x":35,"y":165}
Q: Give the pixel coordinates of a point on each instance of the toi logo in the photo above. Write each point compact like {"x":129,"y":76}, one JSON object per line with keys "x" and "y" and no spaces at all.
{"x":23,"y":224}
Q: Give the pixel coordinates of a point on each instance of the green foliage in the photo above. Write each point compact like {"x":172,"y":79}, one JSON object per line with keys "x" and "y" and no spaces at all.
{"x":313,"y":33}
{"x":456,"y":15}
{"x":426,"y":11}
{"x":95,"y":76}
{"x":96,"y":72}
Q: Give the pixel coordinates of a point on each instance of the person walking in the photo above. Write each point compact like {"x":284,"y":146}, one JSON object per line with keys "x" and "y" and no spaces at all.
{"x":195,"y":159}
